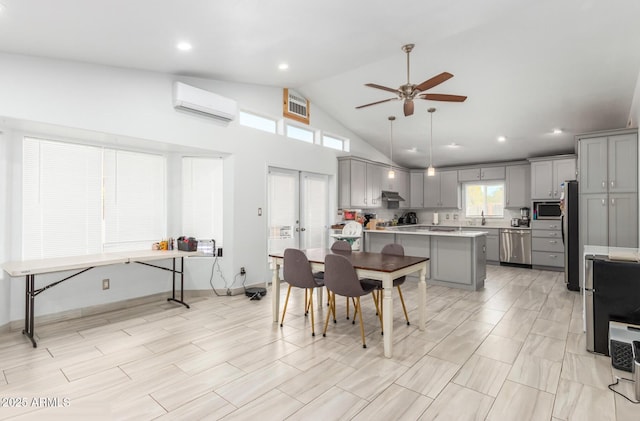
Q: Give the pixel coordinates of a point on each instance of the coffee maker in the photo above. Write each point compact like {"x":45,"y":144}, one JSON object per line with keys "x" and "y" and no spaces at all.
{"x":524,"y":217}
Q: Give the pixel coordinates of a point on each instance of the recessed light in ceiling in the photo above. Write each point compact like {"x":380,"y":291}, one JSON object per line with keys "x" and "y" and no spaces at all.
{"x":283,"y":66}
{"x":453,"y":145}
{"x":413,"y":150}
{"x":502,"y":139}
{"x":184,"y":46}
{"x":557,"y":131}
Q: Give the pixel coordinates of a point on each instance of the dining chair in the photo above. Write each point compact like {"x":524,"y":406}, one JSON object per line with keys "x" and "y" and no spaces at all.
{"x":394,"y":250}
{"x":297,"y":273}
{"x":340,"y":278}
{"x":340,"y":246}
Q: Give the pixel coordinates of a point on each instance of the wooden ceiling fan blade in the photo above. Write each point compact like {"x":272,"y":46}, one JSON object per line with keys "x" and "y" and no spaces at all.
{"x":444,"y":97}
{"x":434,"y":81}
{"x":384,"y":88}
{"x":377,"y":102}
{"x":408,"y":107}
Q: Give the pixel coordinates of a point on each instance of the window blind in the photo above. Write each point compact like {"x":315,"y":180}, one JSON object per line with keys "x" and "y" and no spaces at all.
{"x":202,"y":198}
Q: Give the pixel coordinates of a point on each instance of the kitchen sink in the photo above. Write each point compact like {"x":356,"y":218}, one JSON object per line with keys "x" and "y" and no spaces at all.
{"x":443,"y":229}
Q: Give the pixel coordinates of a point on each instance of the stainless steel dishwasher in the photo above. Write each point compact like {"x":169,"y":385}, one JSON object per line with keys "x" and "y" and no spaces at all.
{"x":515,"y":246}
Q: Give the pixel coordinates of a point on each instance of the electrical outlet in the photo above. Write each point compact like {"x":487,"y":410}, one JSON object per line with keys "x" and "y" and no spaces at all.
{"x":242,"y":271}
{"x":105,"y":284}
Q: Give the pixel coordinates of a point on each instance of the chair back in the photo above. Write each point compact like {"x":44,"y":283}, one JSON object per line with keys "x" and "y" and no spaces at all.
{"x":341,"y":245}
{"x":340,"y":276}
{"x":394,"y":249}
{"x":297,"y":270}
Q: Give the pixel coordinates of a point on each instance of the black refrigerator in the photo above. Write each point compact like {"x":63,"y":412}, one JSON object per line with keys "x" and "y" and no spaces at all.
{"x":570,"y":228}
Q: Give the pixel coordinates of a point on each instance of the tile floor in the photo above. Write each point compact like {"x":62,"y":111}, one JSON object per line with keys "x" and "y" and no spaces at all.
{"x":513,"y":351}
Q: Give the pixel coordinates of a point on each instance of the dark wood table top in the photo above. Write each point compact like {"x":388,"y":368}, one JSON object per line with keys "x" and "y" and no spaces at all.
{"x":363,"y":260}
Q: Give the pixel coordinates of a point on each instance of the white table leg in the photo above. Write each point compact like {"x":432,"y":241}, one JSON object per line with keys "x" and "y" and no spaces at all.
{"x":275,"y":291}
{"x":387,"y":314}
{"x":422,"y":297}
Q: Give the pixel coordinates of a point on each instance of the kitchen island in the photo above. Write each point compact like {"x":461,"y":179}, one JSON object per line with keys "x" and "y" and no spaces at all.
{"x":458,"y":258}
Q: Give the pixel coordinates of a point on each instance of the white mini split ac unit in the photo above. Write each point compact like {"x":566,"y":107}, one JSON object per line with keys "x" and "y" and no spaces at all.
{"x":203,"y":102}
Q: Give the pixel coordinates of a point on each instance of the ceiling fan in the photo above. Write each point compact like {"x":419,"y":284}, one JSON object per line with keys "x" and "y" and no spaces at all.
{"x":409,"y":91}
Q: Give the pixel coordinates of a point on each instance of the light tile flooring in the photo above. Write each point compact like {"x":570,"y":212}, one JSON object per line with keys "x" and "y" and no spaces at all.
{"x":513,"y":351}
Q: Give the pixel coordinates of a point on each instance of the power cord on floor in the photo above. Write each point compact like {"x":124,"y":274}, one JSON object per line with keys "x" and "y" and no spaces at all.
{"x":621,"y":394}
{"x":213,"y":266}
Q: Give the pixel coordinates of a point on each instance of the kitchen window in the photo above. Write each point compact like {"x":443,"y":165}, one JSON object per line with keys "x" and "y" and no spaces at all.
{"x":484,"y":198}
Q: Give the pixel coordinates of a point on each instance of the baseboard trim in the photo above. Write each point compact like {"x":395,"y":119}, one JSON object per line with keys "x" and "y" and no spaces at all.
{"x":108,"y":307}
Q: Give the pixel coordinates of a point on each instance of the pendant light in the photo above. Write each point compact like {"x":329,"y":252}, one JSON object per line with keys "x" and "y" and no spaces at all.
{"x":391,"y":174}
{"x":431,"y":171}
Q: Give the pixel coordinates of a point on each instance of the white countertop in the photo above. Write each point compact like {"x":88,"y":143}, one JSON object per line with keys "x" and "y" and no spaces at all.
{"x":427,"y":230}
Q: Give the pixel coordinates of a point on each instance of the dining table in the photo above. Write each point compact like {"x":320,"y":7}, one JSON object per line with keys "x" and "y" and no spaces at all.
{"x":383,"y":267}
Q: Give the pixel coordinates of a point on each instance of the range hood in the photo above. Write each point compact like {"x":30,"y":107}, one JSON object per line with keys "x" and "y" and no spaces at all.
{"x":392,"y":198}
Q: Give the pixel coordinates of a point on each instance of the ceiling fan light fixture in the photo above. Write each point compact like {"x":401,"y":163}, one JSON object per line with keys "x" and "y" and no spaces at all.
{"x":430,"y":170}
{"x":502,"y":139}
{"x":391,"y":174}
{"x":184,"y":46}
{"x":283,"y":66}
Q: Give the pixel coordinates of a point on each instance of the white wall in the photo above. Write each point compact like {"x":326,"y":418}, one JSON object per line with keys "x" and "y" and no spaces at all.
{"x":104,"y":103}
{"x":5,"y":228}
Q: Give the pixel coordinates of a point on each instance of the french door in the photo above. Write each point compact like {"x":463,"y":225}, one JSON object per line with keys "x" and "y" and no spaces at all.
{"x":298,"y":209}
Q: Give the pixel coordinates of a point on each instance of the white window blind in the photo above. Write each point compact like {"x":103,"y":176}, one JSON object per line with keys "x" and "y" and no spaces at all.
{"x":134,"y":200}
{"x":81,"y":199}
{"x":202,"y":198}
{"x":61,"y":199}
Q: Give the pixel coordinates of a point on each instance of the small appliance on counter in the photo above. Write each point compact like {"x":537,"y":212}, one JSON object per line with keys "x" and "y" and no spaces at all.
{"x":436,"y":219}
{"x":524,"y":217}
{"x":515,"y":222}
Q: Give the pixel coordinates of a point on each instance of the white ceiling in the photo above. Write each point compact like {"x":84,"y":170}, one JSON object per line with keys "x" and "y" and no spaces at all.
{"x":526,"y":66}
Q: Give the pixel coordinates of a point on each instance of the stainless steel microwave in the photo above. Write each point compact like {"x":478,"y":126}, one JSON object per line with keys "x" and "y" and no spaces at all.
{"x":547,"y":210}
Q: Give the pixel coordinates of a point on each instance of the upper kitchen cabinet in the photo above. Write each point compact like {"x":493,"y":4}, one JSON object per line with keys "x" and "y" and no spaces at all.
{"x":548,"y":174}
{"x":518,"y":186}
{"x":360,"y":183}
{"x":416,"y":184}
{"x":441,"y":190}
{"x":399,"y":184}
{"x":608,"y":164}
{"x":479,"y":174}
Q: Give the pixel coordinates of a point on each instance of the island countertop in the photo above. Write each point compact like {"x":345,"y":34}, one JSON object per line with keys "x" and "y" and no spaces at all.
{"x":428,"y":230}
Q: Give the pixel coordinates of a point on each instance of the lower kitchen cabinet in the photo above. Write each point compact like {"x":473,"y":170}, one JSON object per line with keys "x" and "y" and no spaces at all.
{"x":493,"y":243}
{"x":547,"y":248}
{"x":455,"y":261}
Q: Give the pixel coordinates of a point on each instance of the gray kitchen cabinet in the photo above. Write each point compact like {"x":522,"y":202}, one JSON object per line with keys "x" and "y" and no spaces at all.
{"x":547,"y":177}
{"x":450,"y":261}
{"x":608,"y":183}
{"x":479,"y":174}
{"x":416,"y":185}
{"x":441,"y":190}
{"x":400,"y":184}
{"x":493,"y":243}
{"x":619,"y":174}
{"x":360,"y":183}
{"x":518,"y":186}
{"x":547,"y":248}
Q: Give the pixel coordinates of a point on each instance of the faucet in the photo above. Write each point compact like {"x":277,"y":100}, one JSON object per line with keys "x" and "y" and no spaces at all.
{"x":483,"y":221}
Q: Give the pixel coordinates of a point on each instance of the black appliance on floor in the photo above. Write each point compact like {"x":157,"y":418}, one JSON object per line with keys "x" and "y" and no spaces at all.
{"x":612,"y":294}
{"x":570,"y":229}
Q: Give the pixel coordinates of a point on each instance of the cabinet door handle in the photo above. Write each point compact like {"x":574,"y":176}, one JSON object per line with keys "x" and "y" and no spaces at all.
{"x":549,"y":193}
{"x":303,"y":229}
{"x":612,"y":184}
{"x":555,"y":193}
{"x":604,"y":185}
{"x":613,"y":202}
{"x":553,"y":256}
{"x":603,"y":202}
{"x":553,"y":241}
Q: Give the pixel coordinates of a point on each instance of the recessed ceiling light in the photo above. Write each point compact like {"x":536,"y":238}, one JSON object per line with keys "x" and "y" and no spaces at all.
{"x":283,"y":66}
{"x":2,"y":6}
{"x":557,"y":131}
{"x":502,"y":139}
{"x":453,"y":145}
{"x":184,"y":46}
{"x":414,"y":149}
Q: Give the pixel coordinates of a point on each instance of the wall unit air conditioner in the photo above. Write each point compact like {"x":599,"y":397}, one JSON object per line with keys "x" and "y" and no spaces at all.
{"x":203,"y":102}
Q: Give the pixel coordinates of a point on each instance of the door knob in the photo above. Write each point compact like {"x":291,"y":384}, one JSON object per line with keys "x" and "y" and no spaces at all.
{"x":303,"y":229}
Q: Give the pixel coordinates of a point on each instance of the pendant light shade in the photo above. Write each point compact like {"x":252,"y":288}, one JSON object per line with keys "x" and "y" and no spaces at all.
{"x":392,"y":173}
{"x":431,"y":171}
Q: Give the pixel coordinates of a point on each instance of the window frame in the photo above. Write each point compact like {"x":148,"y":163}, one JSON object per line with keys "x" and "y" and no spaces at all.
{"x":486,"y":184}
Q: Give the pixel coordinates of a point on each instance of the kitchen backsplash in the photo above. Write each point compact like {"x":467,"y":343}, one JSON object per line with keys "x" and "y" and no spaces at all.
{"x":445,"y":216}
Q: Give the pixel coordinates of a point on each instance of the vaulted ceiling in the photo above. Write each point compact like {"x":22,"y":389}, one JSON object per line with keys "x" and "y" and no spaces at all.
{"x":527,"y":67}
